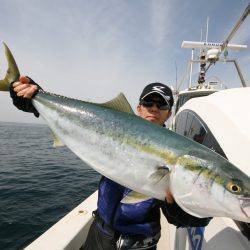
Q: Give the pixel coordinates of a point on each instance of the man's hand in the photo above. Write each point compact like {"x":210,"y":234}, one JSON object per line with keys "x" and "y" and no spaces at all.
{"x":169,"y":197}
{"x":21,"y":93}
{"x":24,"y":88}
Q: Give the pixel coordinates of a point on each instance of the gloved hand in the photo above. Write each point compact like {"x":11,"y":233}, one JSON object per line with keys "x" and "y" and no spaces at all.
{"x":22,"y":92}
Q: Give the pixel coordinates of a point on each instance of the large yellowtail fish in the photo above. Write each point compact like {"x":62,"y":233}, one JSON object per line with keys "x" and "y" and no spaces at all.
{"x":143,"y":156}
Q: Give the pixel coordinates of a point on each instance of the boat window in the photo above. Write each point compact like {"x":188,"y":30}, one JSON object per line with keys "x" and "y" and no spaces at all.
{"x":182,"y":99}
{"x":188,"y":123}
{"x":180,"y":122}
{"x":211,"y":143}
{"x":191,"y":125}
{"x":197,"y":132}
{"x":177,"y":106}
{"x":175,"y":122}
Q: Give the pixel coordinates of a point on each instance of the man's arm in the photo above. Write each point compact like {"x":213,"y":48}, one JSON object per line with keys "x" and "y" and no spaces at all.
{"x":21,"y":93}
{"x":175,"y":215}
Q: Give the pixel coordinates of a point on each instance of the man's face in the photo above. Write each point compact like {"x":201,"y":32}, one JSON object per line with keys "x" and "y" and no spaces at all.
{"x":154,"y":113}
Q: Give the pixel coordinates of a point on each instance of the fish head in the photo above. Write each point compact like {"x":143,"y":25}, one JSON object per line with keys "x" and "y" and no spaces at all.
{"x":234,"y":195}
{"x":204,"y":189}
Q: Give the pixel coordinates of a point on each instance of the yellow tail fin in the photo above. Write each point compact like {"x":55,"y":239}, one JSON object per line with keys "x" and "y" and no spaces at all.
{"x":12,"y":73}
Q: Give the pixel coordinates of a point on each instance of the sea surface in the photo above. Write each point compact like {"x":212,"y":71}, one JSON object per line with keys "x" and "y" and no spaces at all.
{"x":39,"y":184}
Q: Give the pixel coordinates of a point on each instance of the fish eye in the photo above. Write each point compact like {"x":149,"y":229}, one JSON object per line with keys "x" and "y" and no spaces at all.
{"x":233,"y":187}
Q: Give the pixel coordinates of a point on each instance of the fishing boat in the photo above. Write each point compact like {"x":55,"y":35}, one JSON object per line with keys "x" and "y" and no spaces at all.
{"x":205,"y":112}
{"x":215,"y":116}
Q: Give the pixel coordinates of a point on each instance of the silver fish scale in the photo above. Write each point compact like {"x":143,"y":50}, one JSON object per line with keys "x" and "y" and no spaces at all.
{"x":100,"y":137}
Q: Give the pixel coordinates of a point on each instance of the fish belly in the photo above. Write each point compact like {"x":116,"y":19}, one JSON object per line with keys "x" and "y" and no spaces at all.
{"x":112,"y":158}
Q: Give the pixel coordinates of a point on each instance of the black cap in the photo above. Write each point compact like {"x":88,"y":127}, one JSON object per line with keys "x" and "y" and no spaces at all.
{"x":158,"y":88}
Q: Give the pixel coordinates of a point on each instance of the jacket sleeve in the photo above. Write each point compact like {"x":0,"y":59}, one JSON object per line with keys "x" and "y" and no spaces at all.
{"x":22,"y":103}
{"x":175,"y":215}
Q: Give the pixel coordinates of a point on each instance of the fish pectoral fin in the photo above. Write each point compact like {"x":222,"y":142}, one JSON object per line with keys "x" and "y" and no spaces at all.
{"x":119,"y":103}
{"x":57,"y":142}
{"x":134,"y":197}
{"x":161,"y":173}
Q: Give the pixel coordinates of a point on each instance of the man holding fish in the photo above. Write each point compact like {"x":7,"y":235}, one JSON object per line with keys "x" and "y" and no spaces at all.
{"x":125,"y":219}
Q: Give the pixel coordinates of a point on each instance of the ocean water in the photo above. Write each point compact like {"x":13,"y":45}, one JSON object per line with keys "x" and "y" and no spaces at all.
{"x":38,"y":183}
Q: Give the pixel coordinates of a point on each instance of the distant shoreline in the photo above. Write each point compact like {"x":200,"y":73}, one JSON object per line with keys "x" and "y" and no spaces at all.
{"x":24,"y":123}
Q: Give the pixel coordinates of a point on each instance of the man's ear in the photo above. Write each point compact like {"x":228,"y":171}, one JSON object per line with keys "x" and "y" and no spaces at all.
{"x":138,"y":109}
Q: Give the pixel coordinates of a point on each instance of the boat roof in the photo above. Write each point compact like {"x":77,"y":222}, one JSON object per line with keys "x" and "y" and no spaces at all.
{"x":196,"y":91}
{"x":227,"y":115}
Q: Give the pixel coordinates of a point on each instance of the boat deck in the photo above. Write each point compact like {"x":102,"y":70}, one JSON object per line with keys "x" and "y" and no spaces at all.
{"x":70,"y":233}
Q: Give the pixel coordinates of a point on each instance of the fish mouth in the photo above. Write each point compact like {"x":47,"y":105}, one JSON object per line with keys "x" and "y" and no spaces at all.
{"x":245,"y":207}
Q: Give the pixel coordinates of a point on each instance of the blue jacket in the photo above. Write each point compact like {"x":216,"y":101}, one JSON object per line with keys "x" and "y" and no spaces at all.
{"x":140,"y":218}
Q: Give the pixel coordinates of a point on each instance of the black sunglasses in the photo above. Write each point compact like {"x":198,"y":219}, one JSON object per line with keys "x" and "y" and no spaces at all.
{"x":159,"y":104}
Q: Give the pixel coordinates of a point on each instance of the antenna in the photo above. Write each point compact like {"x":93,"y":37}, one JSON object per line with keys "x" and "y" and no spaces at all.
{"x":236,"y":27}
{"x":207,"y":28}
{"x":191,"y":69}
{"x":175,"y":75}
{"x":210,"y":52}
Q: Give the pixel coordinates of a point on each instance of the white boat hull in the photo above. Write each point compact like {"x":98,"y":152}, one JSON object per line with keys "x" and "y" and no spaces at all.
{"x":71,"y":231}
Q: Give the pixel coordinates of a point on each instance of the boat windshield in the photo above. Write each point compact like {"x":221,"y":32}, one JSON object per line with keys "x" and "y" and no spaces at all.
{"x":184,"y":97}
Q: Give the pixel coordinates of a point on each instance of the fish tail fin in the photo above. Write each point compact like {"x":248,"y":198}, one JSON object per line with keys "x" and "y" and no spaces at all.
{"x":12,"y":73}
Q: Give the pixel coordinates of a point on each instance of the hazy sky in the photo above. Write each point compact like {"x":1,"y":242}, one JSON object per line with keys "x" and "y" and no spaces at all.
{"x":93,"y":50}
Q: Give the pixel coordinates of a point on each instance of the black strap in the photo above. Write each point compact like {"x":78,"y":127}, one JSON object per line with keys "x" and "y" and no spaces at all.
{"x":114,"y":234}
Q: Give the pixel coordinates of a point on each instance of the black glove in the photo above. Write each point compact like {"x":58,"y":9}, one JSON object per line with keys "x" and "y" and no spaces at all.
{"x":22,"y":103}
{"x":175,"y":215}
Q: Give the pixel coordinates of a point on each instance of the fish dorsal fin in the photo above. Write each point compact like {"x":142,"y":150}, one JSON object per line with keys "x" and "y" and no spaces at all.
{"x":134,"y":197}
{"x":57,"y":142}
{"x":119,"y":103}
